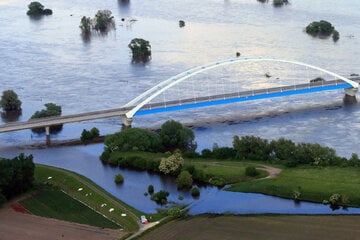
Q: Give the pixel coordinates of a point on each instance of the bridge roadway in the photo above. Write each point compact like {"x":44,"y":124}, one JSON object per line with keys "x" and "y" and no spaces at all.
{"x":120,"y":112}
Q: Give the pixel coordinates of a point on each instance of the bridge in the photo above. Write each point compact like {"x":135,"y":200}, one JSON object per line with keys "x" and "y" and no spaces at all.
{"x":143,"y":105}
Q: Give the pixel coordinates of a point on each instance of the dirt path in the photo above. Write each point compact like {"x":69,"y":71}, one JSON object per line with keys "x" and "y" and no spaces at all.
{"x":273,"y":172}
{"x":15,"y":225}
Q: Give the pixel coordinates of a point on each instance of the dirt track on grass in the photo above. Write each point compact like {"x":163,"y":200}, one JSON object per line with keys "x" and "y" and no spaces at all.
{"x":16,"y":225}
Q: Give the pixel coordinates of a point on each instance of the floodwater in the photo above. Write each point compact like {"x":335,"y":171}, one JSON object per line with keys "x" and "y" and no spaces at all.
{"x":47,"y":60}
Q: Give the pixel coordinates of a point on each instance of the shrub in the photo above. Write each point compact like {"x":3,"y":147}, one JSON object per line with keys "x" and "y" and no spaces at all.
{"x":296,"y":195}
{"x":10,"y":101}
{"x":104,"y":20}
{"x":184,"y":180}
{"x":160,"y":197}
{"x":251,"y":171}
{"x":151,"y":189}
{"x":171,"y":164}
{"x":318,"y":79}
{"x":334,"y":200}
{"x":195,"y":192}
{"x":176,"y":212}
{"x":119,"y":178}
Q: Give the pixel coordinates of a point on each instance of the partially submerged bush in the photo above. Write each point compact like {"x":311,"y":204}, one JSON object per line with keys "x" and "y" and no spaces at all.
{"x":119,"y":178}
{"x":160,"y":197}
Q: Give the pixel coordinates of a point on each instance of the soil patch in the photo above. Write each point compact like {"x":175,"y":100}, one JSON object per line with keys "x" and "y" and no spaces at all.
{"x":16,"y":225}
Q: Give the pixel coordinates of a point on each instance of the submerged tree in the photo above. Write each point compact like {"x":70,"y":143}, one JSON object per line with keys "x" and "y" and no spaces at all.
{"x":322,"y":29}
{"x":10,"y":101}
{"x":52,"y":110}
{"x":104,"y":21}
{"x":141,"y":50}
{"x":37,"y":9}
{"x":85,"y":25}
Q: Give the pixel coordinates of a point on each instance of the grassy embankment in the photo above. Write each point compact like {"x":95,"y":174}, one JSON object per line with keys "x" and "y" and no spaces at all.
{"x":56,"y":204}
{"x":281,"y":227}
{"x":314,"y":183}
{"x":91,"y":195}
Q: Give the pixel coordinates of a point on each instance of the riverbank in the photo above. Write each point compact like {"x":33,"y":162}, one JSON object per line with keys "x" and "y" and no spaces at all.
{"x":314,"y":184}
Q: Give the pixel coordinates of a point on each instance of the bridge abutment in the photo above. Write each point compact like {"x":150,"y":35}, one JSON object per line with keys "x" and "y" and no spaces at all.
{"x":350,"y":95}
{"x":47,"y":132}
{"x":126,"y":122}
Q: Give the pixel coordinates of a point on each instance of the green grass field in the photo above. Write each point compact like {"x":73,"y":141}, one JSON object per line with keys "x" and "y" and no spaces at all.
{"x":91,"y":194}
{"x":315,"y":184}
{"x":258,"y":227}
{"x":57,"y":204}
{"x":230,"y":171}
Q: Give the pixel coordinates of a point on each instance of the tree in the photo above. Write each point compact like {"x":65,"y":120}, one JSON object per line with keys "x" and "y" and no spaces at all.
{"x":10,"y":101}
{"x":85,"y":25}
{"x":119,"y":178}
{"x":251,"y":148}
{"x":151,"y":189}
{"x":36,"y":9}
{"x":184,"y":180}
{"x":133,"y":139}
{"x":160,"y":197}
{"x":87,"y":136}
{"x":171,"y":164}
{"x":195,"y":192}
{"x":141,"y":50}
{"x":322,"y":28}
{"x":104,"y":21}
{"x":176,"y":136}
{"x":52,"y":110}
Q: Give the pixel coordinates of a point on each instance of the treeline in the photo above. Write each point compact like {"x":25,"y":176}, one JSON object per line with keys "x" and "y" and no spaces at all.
{"x":282,"y":151}
{"x":171,"y":136}
{"x":16,"y":176}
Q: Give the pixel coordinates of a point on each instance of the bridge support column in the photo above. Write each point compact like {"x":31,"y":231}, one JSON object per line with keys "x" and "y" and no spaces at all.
{"x":126,"y":122}
{"x":350,"y":95}
{"x":47,"y":132}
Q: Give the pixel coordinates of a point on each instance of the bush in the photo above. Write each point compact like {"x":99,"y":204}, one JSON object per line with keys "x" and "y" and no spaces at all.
{"x":176,"y":212}
{"x":184,"y":180}
{"x":172,"y":164}
{"x":10,"y":101}
{"x":119,"y":178}
{"x":195,"y":192}
{"x":160,"y":197}
{"x":251,"y":171}
{"x":334,"y":200}
{"x":151,"y":189}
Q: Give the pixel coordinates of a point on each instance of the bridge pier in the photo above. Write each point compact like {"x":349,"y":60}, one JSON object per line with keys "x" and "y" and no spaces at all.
{"x":350,"y":95}
{"x":47,"y":132}
{"x":126,"y":122}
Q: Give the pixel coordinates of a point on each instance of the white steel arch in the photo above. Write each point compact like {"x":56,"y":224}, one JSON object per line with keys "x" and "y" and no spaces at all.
{"x":155,"y":91}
